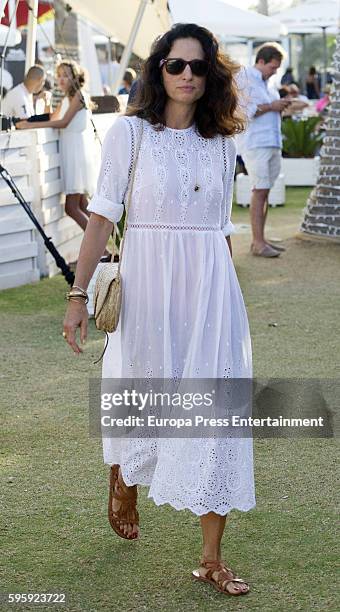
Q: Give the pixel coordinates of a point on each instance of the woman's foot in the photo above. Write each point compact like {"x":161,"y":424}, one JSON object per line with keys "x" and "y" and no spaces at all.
{"x":123,"y":514}
{"x":221,"y":577}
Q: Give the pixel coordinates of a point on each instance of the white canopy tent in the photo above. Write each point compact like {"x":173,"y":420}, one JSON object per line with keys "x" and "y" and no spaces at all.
{"x":135,"y":23}
{"x":224,"y":19}
{"x":313,"y":17}
{"x":9,"y":36}
{"x":116,"y":18}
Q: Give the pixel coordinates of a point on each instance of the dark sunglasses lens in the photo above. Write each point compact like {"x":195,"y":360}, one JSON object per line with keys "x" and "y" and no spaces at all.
{"x":199,"y":67}
{"x":175,"y":66}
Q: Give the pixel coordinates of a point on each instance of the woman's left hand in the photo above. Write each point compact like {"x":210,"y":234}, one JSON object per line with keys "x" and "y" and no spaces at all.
{"x":23,"y":125}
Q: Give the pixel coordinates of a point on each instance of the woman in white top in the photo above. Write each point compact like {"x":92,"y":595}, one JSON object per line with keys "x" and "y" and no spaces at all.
{"x":183,"y":315}
{"x":77,"y":142}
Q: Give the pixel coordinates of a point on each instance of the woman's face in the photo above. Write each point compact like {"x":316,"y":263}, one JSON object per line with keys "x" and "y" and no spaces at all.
{"x":64,"y":75}
{"x":186,"y":87}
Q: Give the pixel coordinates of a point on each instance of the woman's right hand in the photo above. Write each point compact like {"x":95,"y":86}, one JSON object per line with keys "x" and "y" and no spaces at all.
{"x":23,"y":125}
{"x":76,"y":316}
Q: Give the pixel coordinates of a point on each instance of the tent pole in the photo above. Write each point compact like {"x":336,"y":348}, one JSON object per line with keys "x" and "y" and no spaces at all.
{"x":124,"y":62}
{"x":31,"y":34}
{"x":250,"y":46}
{"x":109,"y":60}
{"x":12,"y":11}
{"x":325,"y":58}
{"x":301,"y":62}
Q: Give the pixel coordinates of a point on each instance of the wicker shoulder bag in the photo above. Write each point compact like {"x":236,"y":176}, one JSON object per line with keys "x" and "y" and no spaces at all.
{"x":108,"y":287}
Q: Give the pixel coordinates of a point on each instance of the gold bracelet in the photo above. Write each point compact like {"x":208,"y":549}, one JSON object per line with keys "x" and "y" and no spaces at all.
{"x":76,"y":294}
{"x":77,"y":290}
{"x":80,"y":289}
{"x":75,"y":299}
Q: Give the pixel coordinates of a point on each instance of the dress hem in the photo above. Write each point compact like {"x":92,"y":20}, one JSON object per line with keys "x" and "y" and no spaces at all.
{"x":161,"y":502}
{"x":205,"y":511}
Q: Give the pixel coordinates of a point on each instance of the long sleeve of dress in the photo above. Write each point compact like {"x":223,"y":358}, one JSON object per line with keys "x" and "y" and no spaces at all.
{"x":228,"y":185}
{"x":108,"y":200}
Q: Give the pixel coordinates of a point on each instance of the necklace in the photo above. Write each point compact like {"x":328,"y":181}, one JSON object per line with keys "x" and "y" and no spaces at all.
{"x":197,"y":187}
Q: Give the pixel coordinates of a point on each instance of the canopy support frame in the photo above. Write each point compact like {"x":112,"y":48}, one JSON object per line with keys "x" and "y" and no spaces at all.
{"x":31,"y":34}
{"x":124,"y":62}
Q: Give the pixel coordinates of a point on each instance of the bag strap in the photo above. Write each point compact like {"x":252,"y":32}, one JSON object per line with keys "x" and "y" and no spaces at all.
{"x":133,"y":171}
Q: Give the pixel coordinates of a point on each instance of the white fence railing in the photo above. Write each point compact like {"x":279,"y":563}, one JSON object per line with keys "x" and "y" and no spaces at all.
{"x":32,"y":158}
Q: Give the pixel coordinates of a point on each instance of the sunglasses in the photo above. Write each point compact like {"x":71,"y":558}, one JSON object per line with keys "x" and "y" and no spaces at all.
{"x":176,"y":65}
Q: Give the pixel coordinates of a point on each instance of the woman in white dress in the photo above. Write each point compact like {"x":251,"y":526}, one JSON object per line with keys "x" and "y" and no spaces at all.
{"x":77,"y":142}
{"x":183,"y":314}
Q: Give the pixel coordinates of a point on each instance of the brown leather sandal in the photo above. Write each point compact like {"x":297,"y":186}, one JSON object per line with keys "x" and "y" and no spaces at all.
{"x":225,"y":577}
{"x":127,"y":512}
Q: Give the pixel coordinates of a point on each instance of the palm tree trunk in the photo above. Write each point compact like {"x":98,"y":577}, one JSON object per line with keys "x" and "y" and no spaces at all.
{"x":322,"y":212}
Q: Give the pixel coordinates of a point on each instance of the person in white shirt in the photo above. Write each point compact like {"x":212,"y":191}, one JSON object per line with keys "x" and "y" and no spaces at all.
{"x":295,"y":93}
{"x":260,"y":145}
{"x":19,"y":100}
{"x":76,"y":141}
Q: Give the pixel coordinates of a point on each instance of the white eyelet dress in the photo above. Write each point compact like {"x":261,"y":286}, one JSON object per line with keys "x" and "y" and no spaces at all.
{"x":183,"y":314}
{"x":79,"y":153}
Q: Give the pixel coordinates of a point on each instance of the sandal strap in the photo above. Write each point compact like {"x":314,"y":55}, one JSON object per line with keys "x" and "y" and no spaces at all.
{"x":216,"y":565}
{"x":126,"y":510}
{"x":123,"y":496}
{"x":126,"y":493}
{"x":223,"y":572}
{"x":127,"y":496}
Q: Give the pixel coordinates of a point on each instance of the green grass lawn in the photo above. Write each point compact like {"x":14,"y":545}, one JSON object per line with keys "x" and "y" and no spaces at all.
{"x":55,"y":535}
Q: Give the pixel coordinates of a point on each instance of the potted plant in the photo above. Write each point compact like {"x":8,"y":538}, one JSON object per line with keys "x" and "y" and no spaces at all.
{"x":301,"y":142}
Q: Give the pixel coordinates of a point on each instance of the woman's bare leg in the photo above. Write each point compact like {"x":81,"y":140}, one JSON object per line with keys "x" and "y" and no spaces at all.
{"x":73,"y":209}
{"x":212,"y":531}
{"x":83,"y":204}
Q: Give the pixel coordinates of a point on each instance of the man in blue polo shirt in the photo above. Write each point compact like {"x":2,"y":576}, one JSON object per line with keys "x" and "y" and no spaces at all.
{"x":260,"y":145}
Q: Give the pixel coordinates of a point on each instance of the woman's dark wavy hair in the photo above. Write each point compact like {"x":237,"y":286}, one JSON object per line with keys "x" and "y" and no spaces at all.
{"x":217,"y":110}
